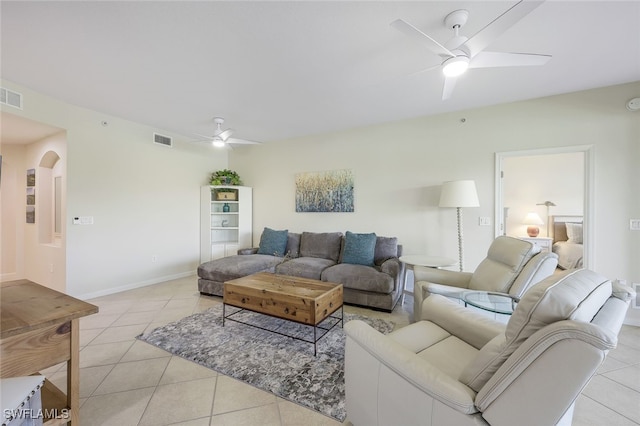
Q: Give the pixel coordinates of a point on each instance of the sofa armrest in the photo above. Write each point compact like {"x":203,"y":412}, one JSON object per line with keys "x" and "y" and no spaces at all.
{"x":404,"y":363}
{"x":470,"y":326}
{"x":251,"y":250}
{"x":442,"y":276}
{"x":391,"y":266}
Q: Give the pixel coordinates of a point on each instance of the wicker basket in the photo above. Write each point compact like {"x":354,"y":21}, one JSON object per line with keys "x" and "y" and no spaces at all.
{"x":226,"y":196}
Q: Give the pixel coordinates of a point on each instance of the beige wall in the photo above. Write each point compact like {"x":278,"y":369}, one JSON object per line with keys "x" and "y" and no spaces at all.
{"x":400,"y":166}
{"x":12,"y":223}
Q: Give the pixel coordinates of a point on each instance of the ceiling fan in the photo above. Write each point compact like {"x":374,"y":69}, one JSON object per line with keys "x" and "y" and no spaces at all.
{"x":222,"y":138}
{"x":460,"y":53}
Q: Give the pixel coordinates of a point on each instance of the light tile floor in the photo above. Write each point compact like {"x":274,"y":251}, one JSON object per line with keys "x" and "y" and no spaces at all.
{"x":127,"y":382}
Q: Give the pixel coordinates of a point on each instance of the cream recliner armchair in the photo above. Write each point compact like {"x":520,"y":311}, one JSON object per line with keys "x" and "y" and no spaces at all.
{"x":511,"y":266}
{"x":458,"y":367}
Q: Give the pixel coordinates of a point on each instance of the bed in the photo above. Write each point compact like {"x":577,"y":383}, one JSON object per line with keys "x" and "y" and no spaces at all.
{"x":567,"y":241}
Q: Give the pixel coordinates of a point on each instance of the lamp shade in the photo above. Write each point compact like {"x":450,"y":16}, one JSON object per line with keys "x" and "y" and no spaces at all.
{"x":459,"y":193}
{"x":532,"y":219}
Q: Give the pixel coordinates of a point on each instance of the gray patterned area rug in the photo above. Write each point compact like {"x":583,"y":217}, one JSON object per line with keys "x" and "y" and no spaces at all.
{"x":281,"y":365}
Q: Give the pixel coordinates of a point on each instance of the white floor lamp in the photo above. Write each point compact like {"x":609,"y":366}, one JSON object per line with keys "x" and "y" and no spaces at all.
{"x":458,"y":194}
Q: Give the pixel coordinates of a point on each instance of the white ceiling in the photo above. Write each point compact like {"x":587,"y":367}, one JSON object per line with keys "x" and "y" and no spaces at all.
{"x":277,"y":70}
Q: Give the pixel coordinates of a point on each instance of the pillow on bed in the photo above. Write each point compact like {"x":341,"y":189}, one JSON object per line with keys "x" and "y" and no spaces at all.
{"x":574,"y":233}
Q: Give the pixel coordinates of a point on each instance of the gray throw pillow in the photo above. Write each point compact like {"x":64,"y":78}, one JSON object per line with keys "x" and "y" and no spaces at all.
{"x":273,"y":242}
{"x":359,"y":249}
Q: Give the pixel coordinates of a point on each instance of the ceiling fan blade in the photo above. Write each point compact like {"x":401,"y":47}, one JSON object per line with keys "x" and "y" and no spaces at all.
{"x":433,"y":67}
{"x":418,"y":35}
{"x":447,"y":89}
{"x":480,"y":40}
{"x":224,"y":135}
{"x":242,"y":142}
{"x":501,"y":59}
{"x":204,"y":138}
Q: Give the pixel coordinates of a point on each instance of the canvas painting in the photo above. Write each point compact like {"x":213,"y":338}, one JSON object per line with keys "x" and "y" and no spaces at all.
{"x":330,"y":191}
{"x":31,"y":214}
{"x":31,"y":177}
{"x":31,"y":196}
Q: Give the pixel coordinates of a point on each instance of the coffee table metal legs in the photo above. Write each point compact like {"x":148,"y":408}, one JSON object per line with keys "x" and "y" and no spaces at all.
{"x":340,"y":320}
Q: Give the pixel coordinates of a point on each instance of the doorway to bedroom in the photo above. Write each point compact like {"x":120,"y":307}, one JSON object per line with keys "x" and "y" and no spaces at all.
{"x":555,"y":185}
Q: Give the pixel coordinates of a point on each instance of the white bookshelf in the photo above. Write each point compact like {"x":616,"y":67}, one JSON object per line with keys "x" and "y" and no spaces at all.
{"x":226,"y":224}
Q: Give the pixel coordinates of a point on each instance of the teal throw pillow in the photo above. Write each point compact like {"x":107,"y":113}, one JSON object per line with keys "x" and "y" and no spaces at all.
{"x":273,"y":242}
{"x":359,"y":249}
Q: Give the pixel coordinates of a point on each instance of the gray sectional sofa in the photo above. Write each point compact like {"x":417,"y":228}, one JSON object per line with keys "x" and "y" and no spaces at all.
{"x":365,"y":264}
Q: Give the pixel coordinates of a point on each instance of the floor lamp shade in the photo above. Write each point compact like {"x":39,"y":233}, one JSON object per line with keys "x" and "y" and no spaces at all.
{"x":458,"y":194}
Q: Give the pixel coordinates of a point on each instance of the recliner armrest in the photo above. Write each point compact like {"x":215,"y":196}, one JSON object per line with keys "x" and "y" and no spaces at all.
{"x":541,"y":363}
{"x":409,"y":366}
{"x":466,"y":324}
{"x":442,"y":276}
{"x":538,"y":268}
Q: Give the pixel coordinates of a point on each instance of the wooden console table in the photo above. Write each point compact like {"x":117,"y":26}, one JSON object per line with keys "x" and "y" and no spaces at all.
{"x":40,"y":328}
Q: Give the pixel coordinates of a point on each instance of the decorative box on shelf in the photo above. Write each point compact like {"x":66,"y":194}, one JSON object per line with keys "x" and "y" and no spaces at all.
{"x":227,"y":196}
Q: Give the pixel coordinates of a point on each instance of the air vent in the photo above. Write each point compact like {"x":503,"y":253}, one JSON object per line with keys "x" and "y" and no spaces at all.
{"x":11,"y":98}
{"x":162,"y":140}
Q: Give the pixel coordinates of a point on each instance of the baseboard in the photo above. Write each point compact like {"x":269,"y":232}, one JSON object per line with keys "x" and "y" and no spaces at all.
{"x":632,"y":321}
{"x":9,"y":276}
{"x":132,"y":286}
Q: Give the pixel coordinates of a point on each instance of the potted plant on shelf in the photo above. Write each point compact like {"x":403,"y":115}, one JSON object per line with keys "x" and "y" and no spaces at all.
{"x":225,"y":177}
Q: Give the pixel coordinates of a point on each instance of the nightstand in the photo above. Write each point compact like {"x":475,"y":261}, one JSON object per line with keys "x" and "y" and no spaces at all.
{"x":545,"y":243}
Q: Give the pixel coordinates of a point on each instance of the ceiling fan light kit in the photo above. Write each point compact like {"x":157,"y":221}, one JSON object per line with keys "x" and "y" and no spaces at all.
{"x":455,"y":66}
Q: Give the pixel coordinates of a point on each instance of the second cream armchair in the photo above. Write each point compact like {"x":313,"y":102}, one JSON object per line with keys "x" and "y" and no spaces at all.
{"x":511,"y":266}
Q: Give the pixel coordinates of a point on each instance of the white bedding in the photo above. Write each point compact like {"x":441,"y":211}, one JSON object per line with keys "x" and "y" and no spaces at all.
{"x":569,"y":254}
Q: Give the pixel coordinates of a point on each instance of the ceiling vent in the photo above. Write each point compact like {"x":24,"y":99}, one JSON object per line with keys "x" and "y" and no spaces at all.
{"x":162,"y":140}
{"x":11,"y":98}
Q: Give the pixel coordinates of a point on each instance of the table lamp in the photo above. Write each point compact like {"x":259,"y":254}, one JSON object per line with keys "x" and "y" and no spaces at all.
{"x":458,"y":194}
{"x":533,"y":219}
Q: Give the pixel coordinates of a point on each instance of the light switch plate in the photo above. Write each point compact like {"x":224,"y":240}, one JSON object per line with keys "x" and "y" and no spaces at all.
{"x":634,"y":224}
{"x":82,"y":220}
{"x":484,"y":221}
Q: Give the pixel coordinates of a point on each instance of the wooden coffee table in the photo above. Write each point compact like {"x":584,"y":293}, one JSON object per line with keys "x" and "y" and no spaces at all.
{"x":302,"y":300}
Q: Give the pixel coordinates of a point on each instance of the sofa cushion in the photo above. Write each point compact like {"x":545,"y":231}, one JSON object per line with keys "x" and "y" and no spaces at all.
{"x":306,"y":267}
{"x":293,"y":245}
{"x":505,"y":259}
{"x":386,"y":248}
{"x":359,"y":249}
{"x":359,"y":277}
{"x":572,"y":295}
{"x":322,"y":245}
{"x":232,"y":267}
{"x":273,"y":242}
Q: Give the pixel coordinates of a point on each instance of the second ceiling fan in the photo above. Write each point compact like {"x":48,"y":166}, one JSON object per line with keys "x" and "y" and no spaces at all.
{"x":461,"y":53}
{"x":222,"y":138}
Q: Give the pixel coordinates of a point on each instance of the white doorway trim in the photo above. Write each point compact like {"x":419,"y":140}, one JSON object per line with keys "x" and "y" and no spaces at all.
{"x":589,"y":201}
